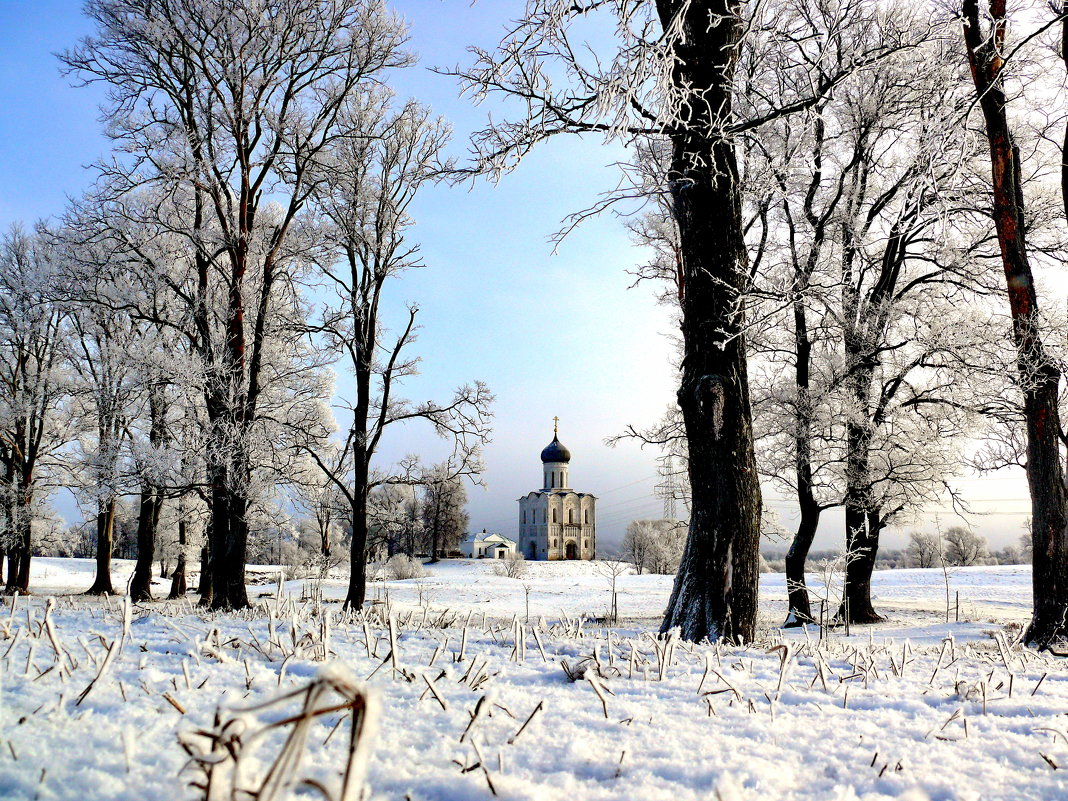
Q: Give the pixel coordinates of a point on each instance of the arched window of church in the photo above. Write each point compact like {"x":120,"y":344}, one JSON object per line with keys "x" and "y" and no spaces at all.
{"x":554,"y":515}
{"x":570,"y":515}
{"x":552,"y":479}
{"x":587,"y":515}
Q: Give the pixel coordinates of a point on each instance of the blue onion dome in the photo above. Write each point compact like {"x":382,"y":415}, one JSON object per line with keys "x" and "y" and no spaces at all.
{"x":555,"y":452}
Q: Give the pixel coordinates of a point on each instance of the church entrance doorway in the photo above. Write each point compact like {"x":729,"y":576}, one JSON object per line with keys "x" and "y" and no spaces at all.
{"x":533,"y":551}
{"x":570,"y":551}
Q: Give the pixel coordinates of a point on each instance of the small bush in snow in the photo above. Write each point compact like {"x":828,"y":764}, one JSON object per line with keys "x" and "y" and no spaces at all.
{"x":401,"y":566}
{"x":513,"y":565}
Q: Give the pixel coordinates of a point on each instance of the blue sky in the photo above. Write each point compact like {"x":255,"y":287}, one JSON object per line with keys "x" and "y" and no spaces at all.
{"x":552,"y":334}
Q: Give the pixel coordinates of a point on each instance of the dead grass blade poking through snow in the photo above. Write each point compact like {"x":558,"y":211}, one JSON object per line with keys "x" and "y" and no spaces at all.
{"x":224,"y":760}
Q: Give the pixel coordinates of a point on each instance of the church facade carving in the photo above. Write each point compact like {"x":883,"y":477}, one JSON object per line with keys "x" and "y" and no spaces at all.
{"x":555,"y":522}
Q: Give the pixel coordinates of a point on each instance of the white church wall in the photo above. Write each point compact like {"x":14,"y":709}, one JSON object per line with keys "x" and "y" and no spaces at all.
{"x":555,"y":515}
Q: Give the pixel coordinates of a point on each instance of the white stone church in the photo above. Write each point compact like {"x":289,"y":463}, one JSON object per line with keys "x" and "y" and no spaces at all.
{"x":555,"y":522}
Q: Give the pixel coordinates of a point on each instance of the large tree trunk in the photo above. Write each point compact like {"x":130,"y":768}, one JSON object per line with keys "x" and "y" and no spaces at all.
{"x":366,"y":337}
{"x":228,"y":477}
{"x":147,"y":525}
{"x":206,"y":589}
{"x":230,"y":496}
{"x":357,"y":590}
{"x":862,"y":540}
{"x":1040,"y":376}
{"x":105,"y":527}
{"x":218,"y":478}
{"x":12,"y":570}
{"x":800,"y":610}
{"x":151,"y":502}
{"x":715,"y":592}
{"x":230,"y":538}
{"x":862,"y":546}
{"x":22,"y":567}
{"x":22,"y":553}
{"x":324,"y":537}
{"x":178,"y":579}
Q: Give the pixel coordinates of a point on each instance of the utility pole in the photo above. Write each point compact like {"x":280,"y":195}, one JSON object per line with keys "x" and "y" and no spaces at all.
{"x":666,"y":488}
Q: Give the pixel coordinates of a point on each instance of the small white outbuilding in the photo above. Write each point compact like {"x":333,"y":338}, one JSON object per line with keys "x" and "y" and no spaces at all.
{"x":487,"y":546}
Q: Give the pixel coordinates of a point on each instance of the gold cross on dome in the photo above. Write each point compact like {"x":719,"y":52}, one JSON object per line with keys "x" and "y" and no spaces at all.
{"x":556,"y":426}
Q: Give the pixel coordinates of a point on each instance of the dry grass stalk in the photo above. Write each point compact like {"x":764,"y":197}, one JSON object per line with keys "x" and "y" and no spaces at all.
{"x":170,"y":700}
{"x":108,"y":657}
{"x":599,"y":689}
{"x":537,"y":709}
{"x":434,"y":691}
{"x":220,"y":757}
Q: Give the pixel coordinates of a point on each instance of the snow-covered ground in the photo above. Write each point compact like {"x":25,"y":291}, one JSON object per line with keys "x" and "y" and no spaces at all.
{"x":912,"y":708}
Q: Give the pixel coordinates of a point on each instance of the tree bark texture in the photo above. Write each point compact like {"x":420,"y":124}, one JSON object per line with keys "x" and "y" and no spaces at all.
{"x":147,"y":525}
{"x":357,"y":589}
{"x":862,"y":538}
{"x":178,"y":577}
{"x":800,"y":609}
{"x":151,"y":503}
{"x":715,"y":591}
{"x":365,"y":317}
{"x":105,"y":527}
{"x":18,"y":570}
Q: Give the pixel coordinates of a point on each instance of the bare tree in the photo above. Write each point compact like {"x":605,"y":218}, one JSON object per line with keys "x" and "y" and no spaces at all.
{"x":1027,"y":546}
{"x":105,"y":393}
{"x":225,"y":108}
{"x":855,"y":265}
{"x":923,"y":550}
{"x":985,"y":34}
{"x":637,"y":543}
{"x":654,"y":546}
{"x":32,"y":427}
{"x":964,"y":547}
{"x":670,"y":75}
{"x":885,"y":384}
{"x":130,"y":362}
{"x":394,"y":519}
{"x":873,"y":247}
{"x":444,"y":511}
{"x":371,"y":177}
{"x":152,"y":466}
{"x":316,"y":494}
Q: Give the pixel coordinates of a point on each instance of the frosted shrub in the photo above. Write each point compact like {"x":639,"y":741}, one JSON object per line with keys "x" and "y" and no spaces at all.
{"x":513,"y":565}
{"x":401,"y":566}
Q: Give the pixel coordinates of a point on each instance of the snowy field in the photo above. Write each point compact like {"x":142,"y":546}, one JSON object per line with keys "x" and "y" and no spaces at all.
{"x":472,"y":699}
